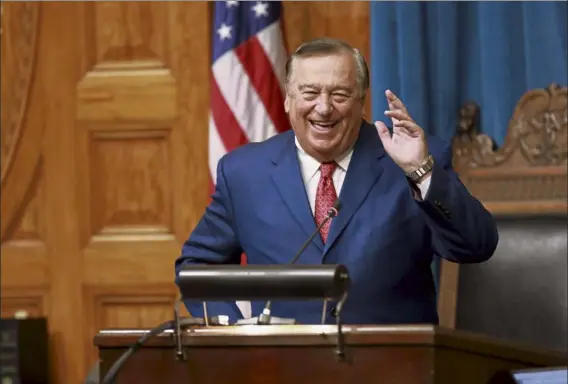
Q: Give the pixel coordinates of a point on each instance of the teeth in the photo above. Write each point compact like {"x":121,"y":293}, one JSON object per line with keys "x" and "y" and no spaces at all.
{"x":323,"y":124}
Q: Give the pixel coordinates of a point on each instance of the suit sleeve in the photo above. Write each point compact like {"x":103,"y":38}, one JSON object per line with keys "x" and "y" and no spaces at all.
{"x":463,"y":230}
{"x":213,"y":241}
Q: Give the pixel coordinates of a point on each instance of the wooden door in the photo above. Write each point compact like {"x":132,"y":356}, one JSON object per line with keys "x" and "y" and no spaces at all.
{"x":104,"y":157}
{"x":104,"y":173}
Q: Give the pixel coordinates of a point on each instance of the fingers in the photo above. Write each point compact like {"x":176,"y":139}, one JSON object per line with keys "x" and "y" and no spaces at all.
{"x":384,"y":133}
{"x":403,"y":124}
{"x":382,"y":129}
{"x":393,"y":101}
{"x":401,"y":119}
{"x":399,"y":115}
{"x":408,"y":128}
{"x":402,"y":131}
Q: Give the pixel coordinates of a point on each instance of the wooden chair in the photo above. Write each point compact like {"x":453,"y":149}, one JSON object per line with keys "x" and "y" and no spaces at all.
{"x":525,"y":179}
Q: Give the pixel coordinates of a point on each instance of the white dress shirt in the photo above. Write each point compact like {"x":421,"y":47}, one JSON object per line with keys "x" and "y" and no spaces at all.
{"x":311,"y":174}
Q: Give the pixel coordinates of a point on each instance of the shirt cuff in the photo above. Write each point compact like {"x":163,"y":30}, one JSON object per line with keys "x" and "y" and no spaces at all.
{"x":423,"y":187}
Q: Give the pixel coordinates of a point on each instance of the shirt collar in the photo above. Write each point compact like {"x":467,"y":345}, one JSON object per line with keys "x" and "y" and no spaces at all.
{"x":310,"y":166}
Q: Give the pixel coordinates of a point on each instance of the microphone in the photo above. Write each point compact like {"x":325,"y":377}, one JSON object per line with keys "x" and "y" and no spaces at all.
{"x":265,"y":316}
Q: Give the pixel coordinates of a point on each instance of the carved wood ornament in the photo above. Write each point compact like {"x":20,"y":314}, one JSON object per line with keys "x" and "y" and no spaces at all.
{"x":528,"y":173}
{"x":19,"y":34}
{"x":21,"y":136}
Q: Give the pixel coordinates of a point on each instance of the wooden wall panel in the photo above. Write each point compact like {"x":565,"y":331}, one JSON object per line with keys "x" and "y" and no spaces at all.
{"x":142,"y":311}
{"x":347,"y":20}
{"x":29,"y":225}
{"x":19,"y":42}
{"x":21,"y":105}
{"x":30,"y":302}
{"x":23,"y":246}
{"x":108,"y":306}
{"x":104,"y":156}
{"x":121,"y":164}
{"x":25,"y":269}
{"x":141,"y":115}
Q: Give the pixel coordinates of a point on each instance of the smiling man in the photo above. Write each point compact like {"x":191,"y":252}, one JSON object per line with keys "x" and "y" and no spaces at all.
{"x":402,"y":204}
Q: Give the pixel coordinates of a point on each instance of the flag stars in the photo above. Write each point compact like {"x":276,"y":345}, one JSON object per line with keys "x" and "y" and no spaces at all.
{"x":224,"y":32}
{"x":260,"y":9}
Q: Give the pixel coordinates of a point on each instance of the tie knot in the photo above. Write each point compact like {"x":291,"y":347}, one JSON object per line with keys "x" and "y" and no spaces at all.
{"x":328,"y":168}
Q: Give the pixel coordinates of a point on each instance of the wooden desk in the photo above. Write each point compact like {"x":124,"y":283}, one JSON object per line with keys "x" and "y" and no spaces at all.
{"x":306,"y":354}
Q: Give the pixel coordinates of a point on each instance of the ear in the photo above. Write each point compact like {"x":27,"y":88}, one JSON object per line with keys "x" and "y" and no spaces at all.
{"x":287,"y":103}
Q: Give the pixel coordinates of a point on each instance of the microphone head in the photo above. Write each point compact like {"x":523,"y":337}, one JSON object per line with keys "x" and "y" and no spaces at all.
{"x":334,"y":210}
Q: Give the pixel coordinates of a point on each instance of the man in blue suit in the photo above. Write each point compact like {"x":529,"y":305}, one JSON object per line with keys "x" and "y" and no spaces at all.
{"x":401,"y":202}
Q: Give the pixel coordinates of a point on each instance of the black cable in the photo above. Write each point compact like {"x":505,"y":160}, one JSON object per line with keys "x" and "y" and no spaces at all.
{"x":113,"y":371}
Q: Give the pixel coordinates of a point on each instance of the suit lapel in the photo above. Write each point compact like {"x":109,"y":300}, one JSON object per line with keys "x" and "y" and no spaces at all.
{"x":287,"y":178}
{"x":363,"y":172}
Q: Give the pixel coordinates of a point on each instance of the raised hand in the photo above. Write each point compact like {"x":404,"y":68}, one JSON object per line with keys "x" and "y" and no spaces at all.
{"x":407,"y":145}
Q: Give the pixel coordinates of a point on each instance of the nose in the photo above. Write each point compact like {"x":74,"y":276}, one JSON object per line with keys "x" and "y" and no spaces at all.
{"x":323,"y":106}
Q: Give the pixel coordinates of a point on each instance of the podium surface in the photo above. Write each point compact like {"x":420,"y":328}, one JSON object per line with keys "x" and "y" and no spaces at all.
{"x":306,"y":354}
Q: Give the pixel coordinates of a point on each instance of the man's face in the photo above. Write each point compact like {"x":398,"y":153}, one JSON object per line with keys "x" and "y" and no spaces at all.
{"x":324,"y":104}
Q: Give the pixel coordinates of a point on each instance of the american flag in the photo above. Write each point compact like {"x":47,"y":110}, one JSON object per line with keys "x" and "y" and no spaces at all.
{"x":247,"y":79}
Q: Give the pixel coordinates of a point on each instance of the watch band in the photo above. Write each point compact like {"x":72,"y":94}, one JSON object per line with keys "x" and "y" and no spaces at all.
{"x":418,"y":174}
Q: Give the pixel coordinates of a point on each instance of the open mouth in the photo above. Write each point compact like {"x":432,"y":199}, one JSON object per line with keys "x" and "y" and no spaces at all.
{"x":323,"y":126}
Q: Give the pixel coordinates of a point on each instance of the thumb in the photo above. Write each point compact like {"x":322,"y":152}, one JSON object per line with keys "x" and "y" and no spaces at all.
{"x":384,"y":133}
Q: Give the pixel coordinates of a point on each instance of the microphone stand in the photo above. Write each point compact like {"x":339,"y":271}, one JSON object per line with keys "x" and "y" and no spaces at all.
{"x":340,"y":347}
{"x":180,"y":353}
{"x":265,"y":317}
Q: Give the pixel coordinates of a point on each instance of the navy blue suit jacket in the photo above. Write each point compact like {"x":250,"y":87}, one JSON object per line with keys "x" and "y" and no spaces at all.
{"x":385,"y":237}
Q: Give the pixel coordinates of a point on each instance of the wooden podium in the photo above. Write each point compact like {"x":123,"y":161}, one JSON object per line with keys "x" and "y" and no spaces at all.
{"x":306,"y":354}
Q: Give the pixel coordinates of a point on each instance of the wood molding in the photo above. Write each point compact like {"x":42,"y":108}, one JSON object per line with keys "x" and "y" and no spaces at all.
{"x":33,"y":301}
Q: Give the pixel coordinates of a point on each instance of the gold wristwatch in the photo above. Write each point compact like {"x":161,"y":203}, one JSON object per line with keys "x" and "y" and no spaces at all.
{"x":423,"y":170}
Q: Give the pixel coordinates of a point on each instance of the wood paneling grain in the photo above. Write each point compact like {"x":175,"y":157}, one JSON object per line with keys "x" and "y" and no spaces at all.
{"x":59,"y":70}
{"x":130,"y":259}
{"x":129,"y":31}
{"x":121,"y":167}
{"x":19,"y":43}
{"x":22,"y":126}
{"x":30,"y":221}
{"x":131,"y":92}
{"x":144,"y":305}
{"x":24,"y":301}
{"x":24,"y":263}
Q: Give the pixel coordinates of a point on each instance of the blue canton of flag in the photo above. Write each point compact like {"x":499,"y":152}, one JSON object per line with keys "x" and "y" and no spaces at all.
{"x":238,"y":21}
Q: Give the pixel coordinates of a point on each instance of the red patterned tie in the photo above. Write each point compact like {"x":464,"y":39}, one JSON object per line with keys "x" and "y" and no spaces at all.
{"x":325,"y":197}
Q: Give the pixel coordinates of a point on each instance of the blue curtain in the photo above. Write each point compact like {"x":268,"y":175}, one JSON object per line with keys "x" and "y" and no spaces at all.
{"x":437,"y":55}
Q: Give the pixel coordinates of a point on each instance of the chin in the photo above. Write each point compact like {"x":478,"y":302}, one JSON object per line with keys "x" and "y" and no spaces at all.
{"x":329,"y":135}
{"x":323,"y":143}
{"x":325,"y":150}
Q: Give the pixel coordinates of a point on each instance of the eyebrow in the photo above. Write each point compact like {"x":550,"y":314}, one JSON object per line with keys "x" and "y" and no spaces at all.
{"x":301,"y":87}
